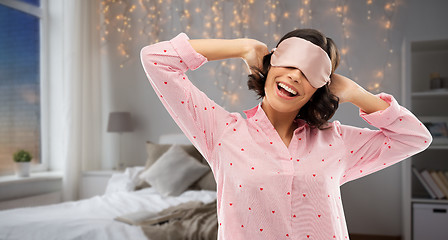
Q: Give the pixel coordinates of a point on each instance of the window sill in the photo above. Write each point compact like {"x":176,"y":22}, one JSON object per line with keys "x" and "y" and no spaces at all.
{"x":37,"y":176}
{"x":13,"y":187}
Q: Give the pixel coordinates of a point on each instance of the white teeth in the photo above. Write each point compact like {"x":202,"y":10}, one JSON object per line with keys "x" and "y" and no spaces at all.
{"x":287,"y":88}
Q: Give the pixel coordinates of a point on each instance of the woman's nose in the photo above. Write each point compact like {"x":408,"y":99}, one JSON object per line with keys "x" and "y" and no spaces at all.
{"x":295,"y":75}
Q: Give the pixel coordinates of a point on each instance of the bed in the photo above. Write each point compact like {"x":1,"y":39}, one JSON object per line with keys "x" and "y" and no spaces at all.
{"x":189,"y":193}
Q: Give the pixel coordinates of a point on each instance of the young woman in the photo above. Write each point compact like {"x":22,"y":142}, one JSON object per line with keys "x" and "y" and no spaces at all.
{"x":279,"y":170}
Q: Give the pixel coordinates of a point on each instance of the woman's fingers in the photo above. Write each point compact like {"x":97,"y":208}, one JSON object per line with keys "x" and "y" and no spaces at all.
{"x":262,"y":50}
{"x":255,"y":52}
{"x":343,"y":87}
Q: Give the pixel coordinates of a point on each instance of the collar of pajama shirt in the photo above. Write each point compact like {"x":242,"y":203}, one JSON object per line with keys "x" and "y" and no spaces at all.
{"x":269,"y":191}
{"x":260,"y":118}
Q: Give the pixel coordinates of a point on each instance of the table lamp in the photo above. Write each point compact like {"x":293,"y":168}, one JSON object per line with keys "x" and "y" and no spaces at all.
{"x":119,"y":122}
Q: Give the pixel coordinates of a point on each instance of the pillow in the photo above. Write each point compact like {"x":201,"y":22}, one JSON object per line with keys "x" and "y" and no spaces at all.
{"x":207,"y":182}
{"x":123,"y":182}
{"x":119,"y":182}
{"x":155,"y":150}
{"x":174,"y":172}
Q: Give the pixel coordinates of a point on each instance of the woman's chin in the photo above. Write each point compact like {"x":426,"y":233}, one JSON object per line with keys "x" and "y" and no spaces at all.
{"x":283,"y":106}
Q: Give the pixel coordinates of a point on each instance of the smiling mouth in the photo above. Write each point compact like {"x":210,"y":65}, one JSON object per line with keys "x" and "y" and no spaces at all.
{"x":285,"y":90}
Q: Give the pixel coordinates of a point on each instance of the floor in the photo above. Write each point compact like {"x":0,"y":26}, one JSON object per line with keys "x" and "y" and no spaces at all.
{"x":373,"y":237}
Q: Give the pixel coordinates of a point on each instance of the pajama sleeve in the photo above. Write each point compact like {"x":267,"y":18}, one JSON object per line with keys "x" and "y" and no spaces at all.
{"x":200,"y":118}
{"x":400,"y":136}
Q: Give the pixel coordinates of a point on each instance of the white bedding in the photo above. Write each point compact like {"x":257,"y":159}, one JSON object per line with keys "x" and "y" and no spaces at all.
{"x":91,"y":218}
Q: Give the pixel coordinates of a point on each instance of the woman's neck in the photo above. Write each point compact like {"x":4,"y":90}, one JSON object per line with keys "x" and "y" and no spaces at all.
{"x":282,"y":122}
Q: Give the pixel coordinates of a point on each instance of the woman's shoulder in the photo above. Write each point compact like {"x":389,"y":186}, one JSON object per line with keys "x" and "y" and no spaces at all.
{"x":333,"y":127}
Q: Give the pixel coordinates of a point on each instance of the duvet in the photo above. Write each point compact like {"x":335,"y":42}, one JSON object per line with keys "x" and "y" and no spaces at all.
{"x":93,"y":218}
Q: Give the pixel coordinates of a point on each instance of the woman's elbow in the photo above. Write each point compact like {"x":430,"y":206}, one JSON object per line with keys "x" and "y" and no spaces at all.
{"x":145,"y":52}
{"x":424,"y":140}
{"x":428,"y":140}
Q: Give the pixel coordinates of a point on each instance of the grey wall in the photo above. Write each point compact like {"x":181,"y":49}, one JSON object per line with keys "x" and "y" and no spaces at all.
{"x":373,"y":203}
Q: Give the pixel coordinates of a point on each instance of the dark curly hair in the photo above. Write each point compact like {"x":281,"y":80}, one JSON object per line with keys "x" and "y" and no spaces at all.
{"x":323,"y":104}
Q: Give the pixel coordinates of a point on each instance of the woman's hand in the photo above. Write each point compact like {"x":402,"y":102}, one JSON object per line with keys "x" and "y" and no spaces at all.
{"x":253,"y":53}
{"x":344,"y":88}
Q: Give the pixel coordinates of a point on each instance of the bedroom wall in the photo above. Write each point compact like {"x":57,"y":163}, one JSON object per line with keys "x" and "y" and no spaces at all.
{"x":127,"y":89}
{"x":373,"y":203}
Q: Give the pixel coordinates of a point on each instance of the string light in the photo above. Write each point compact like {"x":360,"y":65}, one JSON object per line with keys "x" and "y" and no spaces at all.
{"x":305,"y":13}
{"x":341,"y":10}
{"x":134,"y":20}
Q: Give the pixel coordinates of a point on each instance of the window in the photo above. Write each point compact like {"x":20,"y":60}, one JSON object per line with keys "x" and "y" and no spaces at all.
{"x":20,"y":81}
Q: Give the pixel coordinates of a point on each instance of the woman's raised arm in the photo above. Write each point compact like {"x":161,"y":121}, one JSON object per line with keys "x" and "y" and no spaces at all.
{"x":250,"y":50}
{"x":200,"y":118}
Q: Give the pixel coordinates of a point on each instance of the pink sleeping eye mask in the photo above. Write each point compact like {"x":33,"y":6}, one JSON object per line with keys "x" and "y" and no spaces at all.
{"x":312,"y":60}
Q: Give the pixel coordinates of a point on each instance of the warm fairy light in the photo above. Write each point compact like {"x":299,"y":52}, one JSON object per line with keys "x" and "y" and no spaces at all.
{"x":186,"y":13}
{"x":338,"y":9}
{"x":234,"y":98}
{"x":273,"y":17}
{"x":133,"y":21}
{"x":389,"y":6}
{"x":373,"y":86}
{"x":276,"y":37}
{"x":380,"y":74}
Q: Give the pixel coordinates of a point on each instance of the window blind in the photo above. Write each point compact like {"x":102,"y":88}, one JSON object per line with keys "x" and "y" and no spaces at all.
{"x":19,"y":86}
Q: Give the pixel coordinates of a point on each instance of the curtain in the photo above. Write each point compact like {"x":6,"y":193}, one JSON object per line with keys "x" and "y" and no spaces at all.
{"x":81,"y":87}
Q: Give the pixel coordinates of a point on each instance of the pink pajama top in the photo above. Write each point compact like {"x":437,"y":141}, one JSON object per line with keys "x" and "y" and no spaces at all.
{"x":266,"y":190}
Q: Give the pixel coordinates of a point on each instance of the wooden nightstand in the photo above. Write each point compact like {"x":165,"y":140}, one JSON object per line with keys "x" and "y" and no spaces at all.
{"x":94,"y":183}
